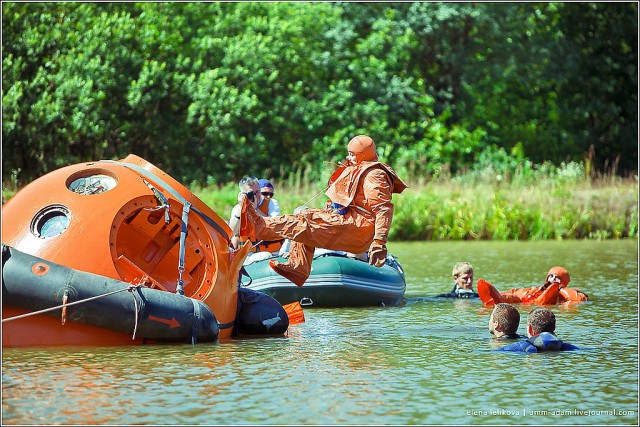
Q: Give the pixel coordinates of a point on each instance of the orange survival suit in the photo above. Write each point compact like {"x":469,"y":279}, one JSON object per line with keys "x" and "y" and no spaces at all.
{"x":554,"y":291}
{"x":261,"y":245}
{"x":358,"y":220}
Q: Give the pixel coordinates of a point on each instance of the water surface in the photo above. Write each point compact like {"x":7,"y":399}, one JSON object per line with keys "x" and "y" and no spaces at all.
{"x":427,"y":361}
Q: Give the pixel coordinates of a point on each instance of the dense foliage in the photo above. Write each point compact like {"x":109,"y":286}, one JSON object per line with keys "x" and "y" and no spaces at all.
{"x":212,"y":91}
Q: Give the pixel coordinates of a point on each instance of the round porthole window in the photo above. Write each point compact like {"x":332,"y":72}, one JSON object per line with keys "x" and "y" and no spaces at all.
{"x":50,"y":221}
{"x":92,"y":184}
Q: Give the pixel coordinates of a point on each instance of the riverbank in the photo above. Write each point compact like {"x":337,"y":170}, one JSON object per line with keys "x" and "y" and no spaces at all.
{"x":465,"y":209}
{"x":461,"y":210}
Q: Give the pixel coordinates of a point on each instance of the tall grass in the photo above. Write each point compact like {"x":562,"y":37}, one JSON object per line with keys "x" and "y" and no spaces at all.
{"x":450,"y":211}
{"x":558,"y":203}
{"x":524,"y":203}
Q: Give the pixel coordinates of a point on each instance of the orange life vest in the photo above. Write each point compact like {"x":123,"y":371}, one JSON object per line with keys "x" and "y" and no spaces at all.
{"x":572,"y":295}
{"x":345,"y":180}
{"x":264,"y":207}
{"x":541,"y":295}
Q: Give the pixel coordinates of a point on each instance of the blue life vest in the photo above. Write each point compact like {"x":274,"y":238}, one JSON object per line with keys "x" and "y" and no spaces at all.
{"x":459,"y":293}
{"x":545,"y":341}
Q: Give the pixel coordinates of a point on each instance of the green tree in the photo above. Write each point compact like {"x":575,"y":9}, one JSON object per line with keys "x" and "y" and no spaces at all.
{"x":213,"y":91}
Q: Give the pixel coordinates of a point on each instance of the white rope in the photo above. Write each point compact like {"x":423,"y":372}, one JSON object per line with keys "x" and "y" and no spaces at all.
{"x":128,"y":288}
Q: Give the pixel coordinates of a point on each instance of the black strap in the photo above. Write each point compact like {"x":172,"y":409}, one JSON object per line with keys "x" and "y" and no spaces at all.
{"x":243,"y":272}
{"x":226,"y":325}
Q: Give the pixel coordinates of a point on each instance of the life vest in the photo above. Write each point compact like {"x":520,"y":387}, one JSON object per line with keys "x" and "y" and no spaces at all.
{"x":545,"y":341}
{"x":264,"y":207}
{"x":459,"y":293}
{"x":345,"y":180}
{"x":572,"y":295}
{"x":542,"y":295}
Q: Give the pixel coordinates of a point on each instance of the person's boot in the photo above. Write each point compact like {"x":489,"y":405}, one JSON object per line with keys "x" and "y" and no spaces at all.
{"x":289,"y":272}
{"x":298,"y":268}
{"x":488,"y":293}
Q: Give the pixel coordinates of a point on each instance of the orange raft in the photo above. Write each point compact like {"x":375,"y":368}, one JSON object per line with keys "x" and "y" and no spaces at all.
{"x":131,"y":222}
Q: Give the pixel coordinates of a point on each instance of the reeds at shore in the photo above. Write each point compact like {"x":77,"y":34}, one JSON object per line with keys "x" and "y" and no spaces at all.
{"x":469,"y":209}
{"x":485,"y":205}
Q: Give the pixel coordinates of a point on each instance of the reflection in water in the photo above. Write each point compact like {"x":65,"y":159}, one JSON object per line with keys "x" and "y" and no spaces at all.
{"x":427,"y":361}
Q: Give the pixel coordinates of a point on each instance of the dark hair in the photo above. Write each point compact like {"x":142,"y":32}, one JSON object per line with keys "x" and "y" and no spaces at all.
{"x":541,"y":320}
{"x":507,"y":317}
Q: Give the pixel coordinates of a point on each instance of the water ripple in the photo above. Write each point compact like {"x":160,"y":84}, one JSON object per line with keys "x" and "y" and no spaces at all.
{"x":427,"y":361}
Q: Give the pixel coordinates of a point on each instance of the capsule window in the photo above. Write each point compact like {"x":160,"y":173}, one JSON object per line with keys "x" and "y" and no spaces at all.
{"x":97,"y":181}
{"x":50,"y":221}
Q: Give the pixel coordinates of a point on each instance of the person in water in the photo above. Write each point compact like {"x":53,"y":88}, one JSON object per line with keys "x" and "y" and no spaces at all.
{"x":462,"y":282}
{"x":541,"y":326}
{"x":553,"y":291}
{"x":357,"y":217}
{"x":504,"y":322}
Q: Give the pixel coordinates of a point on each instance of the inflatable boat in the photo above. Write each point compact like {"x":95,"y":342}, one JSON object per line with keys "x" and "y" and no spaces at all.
{"x":118,"y":252}
{"x":336,"y":280}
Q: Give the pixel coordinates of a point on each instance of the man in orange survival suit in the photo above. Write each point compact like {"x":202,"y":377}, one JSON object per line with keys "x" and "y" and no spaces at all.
{"x":553,"y":291}
{"x":359,"y":218}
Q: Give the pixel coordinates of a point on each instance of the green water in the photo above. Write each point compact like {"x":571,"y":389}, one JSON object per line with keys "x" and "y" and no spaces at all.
{"x":427,"y":361}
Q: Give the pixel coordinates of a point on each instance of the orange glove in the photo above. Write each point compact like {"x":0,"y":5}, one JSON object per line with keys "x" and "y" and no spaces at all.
{"x":377,"y":253}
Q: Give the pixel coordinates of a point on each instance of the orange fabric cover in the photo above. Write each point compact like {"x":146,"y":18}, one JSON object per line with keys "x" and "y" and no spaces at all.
{"x":264,"y":207}
{"x":295,"y":313}
{"x":323,"y":228}
{"x":368,"y":186}
{"x":258,"y":245}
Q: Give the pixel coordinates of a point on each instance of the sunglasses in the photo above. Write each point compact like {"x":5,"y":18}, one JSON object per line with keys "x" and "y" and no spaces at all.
{"x":267,"y":194}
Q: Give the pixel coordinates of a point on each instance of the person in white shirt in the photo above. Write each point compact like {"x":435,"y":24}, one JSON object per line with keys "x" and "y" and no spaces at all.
{"x":269,"y":206}
{"x":248,"y":185}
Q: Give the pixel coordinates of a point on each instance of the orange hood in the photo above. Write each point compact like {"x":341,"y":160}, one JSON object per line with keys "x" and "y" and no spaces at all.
{"x":562,"y":273}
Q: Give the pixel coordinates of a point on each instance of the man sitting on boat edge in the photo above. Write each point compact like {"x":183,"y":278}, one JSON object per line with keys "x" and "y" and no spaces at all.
{"x":358,"y":218}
